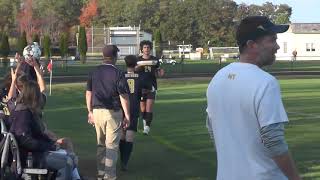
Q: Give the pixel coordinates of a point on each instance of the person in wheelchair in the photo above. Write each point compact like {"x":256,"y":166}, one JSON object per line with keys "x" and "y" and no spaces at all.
{"x":30,"y":131}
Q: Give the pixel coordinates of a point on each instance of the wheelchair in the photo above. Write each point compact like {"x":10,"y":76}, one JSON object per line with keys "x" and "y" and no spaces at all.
{"x":11,"y":168}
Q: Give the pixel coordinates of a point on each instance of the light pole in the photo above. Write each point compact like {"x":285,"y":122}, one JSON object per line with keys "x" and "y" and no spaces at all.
{"x":169,"y":43}
{"x":209,"y":53}
{"x":77,"y":49}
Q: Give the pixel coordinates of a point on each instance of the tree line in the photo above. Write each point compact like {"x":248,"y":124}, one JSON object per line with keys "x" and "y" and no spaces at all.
{"x":200,"y":23}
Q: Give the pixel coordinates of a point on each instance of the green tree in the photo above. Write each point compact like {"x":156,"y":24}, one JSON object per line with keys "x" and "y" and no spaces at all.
{"x":47,"y":46}
{"x":277,"y":13}
{"x":63,"y":45}
{"x":83,"y":47}
{"x":282,"y":18}
{"x":4,"y":46}
{"x":284,"y":13}
{"x":56,"y":16}
{"x":158,"y":40}
{"x":197,"y":23}
{"x":8,"y":14}
{"x":22,"y":42}
{"x":130,"y":13}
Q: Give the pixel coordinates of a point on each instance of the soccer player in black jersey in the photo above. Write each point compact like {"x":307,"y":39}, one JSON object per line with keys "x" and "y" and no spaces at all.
{"x":149,"y":75}
{"x":136,"y":86}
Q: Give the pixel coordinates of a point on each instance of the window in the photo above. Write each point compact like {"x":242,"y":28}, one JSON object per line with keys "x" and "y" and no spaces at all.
{"x":310,"y":47}
{"x":307,"y":46}
{"x":285,"y":47}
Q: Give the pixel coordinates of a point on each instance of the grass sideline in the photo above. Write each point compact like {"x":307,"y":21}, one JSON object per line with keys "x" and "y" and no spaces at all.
{"x":179,"y":146}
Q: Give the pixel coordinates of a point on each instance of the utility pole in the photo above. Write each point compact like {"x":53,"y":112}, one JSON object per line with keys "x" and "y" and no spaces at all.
{"x":92,"y":39}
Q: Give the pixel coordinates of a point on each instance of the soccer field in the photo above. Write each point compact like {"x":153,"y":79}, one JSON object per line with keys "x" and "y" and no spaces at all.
{"x":179,"y":145}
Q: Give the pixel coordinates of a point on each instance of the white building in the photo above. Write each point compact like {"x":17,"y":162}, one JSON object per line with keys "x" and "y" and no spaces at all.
{"x":304,"y":37}
{"x":185,"y":50}
{"x":128,"y":39}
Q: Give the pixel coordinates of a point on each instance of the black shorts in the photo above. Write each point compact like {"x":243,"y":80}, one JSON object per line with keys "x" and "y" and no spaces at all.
{"x":148,"y":95}
{"x":133,"y":124}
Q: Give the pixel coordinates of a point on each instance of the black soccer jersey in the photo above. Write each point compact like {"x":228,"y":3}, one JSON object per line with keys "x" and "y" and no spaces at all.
{"x":135,"y":84}
{"x":149,"y":72}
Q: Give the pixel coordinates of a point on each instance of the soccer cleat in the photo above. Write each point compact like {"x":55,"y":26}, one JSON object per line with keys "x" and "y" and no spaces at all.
{"x":144,"y":123}
{"x":146,"y":130}
{"x":124,"y":167}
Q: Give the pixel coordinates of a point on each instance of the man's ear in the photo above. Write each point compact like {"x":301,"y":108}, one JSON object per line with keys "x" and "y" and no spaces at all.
{"x":251,"y":44}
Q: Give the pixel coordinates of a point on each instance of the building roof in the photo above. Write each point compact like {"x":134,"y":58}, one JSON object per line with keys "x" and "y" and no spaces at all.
{"x":305,"y":28}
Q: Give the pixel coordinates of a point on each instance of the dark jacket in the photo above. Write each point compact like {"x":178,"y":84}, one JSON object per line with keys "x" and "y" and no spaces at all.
{"x":29,"y":134}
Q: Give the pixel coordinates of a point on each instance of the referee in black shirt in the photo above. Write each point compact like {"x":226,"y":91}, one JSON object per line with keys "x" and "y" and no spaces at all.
{"x":107,"y":99}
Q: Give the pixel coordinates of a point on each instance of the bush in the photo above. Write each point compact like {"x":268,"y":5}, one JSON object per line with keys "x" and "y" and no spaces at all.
{"x":22,"y":42}
{"x":83,"y":47}
{"x":46,"y":46}
{"x":4,"y":46}
{"x":63,"y":45}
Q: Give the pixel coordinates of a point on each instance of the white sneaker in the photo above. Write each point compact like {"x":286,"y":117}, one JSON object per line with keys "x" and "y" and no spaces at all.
{"x":146,"y":130}
{"x":144,"y":123}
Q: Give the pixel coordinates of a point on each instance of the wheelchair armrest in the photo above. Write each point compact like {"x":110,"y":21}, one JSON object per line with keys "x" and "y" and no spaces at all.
{"x":35,"y":171}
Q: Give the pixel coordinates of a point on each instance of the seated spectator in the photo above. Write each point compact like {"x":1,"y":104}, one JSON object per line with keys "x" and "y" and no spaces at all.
{"x":29,"y":130}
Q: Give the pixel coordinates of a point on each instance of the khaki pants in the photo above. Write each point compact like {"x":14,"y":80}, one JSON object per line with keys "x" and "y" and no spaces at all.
{"x":108,"y":129}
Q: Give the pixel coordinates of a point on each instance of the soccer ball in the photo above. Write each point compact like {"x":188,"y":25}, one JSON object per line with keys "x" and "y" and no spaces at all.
{"x":32,"y":50}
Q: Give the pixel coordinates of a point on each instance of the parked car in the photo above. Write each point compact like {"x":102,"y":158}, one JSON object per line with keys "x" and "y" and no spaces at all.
{"x":167,"y":61}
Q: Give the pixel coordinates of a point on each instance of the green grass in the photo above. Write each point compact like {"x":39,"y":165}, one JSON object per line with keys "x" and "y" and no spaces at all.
{"x":179,"y":146}
{"x":189,"y":67}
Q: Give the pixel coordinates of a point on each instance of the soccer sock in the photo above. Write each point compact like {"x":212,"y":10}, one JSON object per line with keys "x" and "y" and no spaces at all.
{"x":128,"y":150}
{"x":148,"y":118}
{"x":122,"y":146}
{"x":143,"y":115}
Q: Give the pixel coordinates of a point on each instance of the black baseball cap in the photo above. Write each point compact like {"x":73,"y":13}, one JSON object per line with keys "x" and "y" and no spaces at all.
{"x":110,"y":51}
{"x":253,"y":27}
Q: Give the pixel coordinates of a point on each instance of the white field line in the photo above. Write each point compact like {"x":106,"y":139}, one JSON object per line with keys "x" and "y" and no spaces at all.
{"x":305,"y":114}
{"x":178,"y":92}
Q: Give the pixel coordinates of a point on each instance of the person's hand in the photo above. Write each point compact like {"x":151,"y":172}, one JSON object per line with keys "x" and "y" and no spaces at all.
{"x":138,"y":67}
{"x":160,"y":72}
{"x":13,"y":75}
{"x":18,"y":58}
{"x":125,"y":123}
{"x":60,"y":141}
{"x":90,"y":118}
{"x":31,"y":61}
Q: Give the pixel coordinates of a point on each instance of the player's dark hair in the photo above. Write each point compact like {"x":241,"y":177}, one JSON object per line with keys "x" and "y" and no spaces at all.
{"x":131,"y":61}
{"x":145,"y":42}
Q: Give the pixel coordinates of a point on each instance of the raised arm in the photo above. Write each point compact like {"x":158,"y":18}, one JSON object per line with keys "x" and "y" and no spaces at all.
{"x":13,"y":88}
{"x":40,"y":79}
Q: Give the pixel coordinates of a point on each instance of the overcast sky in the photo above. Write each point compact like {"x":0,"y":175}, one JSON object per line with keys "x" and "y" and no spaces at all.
{"x":303,"y":11}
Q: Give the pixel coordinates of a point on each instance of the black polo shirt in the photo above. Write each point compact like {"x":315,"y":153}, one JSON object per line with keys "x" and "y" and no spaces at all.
{"x":106,"y":82}
{"x":149,"y":72}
